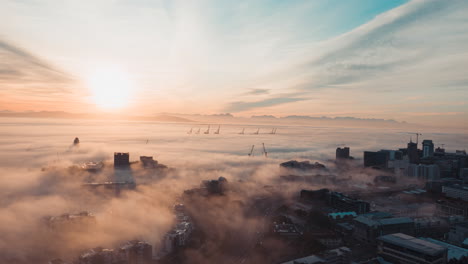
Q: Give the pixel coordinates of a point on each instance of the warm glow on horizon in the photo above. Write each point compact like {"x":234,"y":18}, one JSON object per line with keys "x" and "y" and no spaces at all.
{"x":111,"y":87}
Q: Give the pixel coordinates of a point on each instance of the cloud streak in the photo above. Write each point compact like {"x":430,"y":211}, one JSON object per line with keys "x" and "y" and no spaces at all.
{"x":241,"y":106}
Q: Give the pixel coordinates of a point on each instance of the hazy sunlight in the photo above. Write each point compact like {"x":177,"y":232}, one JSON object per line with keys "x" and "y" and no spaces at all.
{"x":110,"y":87}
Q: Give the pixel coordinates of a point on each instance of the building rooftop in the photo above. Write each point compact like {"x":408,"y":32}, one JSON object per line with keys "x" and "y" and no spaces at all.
{"x":377,"y":215}
{"x":396,"y":221}
{"x":341,"y":214}
{"x":306,"y":260}
{"x":416,"y":244}
{"x":366,"y":220}
{"x":453,"y":251}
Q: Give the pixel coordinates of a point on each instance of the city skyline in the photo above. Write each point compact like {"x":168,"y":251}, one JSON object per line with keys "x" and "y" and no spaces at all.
{"x":400,"y":60}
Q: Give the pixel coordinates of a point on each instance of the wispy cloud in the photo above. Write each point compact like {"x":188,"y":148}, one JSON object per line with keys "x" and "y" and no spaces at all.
{"x":22,"y":66}
{"x":257,"y":92}
{"x":245,"y":106}
{"x":209,"y":54}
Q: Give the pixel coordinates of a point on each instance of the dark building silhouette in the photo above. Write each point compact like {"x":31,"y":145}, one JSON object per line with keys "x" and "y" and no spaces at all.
{"x":215,"y":186}
{"x":342,"y":153}
{"x":312,"y":195}
{"x":376,"y":159}
{"x":344,"y":203}
{"x":428,"y":148}
{"x":121,"y":159}
{"x":302,"y":165}
{"x":137,"y":252}
{"x":413,"y":155}
{"x":440,"y":151}
{"x":148,"y":161}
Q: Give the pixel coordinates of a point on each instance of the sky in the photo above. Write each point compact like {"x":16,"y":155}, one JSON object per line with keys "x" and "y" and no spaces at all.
{"x":403,"y":60}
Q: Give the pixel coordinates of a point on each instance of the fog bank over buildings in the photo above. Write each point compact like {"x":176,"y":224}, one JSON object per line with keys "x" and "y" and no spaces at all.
{"x":45,"y":172}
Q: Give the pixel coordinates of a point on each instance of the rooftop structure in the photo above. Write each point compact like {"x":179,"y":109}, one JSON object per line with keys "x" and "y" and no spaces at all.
{"x":302,"y":165}
{"x":458,"y":234}
{"x":92,"y":166}
{"x":413,"y":243}
{"x":342,"y":215}
{"x":367,"y":229}
{"x":452,"y":207}
{"x":454,"y":252}
{"x":344,"y":203}
{"x":401,"y":248}
{"x":313,"y":259}
{"x":81,"y":219}
{"x":456,"y":191}
{"x":284,"y":229}
{"x":148,"y":161}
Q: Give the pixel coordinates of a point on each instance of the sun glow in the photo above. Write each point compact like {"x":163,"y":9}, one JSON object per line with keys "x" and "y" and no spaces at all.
{"x":111,"y":88}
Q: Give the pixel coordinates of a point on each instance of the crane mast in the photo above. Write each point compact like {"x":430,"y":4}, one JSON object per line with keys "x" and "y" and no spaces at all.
{"x":251,"y":151}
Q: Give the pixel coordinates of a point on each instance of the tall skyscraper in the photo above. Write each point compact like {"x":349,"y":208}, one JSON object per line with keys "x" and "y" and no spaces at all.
{"x":413,"y":152}
{"x":428,"y":148}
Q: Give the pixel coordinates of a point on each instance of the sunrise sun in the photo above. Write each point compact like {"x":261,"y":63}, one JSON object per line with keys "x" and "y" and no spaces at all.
{"x":110,"y":87}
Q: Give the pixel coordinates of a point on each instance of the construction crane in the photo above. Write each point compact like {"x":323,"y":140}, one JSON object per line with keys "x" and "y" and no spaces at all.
{"x":256,"y":133}
{"x":217,"y":131}
{"x":242,"y":132}
{"x":208,"y":130}
{"x":417,"y":136}
{"x":190,"y":131}
{"x":251,"y":151}
{"x":264,"y":151}
{"x":198,"y":131}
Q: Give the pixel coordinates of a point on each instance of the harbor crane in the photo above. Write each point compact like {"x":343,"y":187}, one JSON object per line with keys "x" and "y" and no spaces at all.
{"x":273,"y":131}
{"x":242,"y":132}
{"x":190,"y":131}
{"x":198,"y":131}
{"x":208,"y":130}
{"x":256,"y":133}
{"x":217,"y":131}
{"x":251,"y":151}
{"x":264,"y":150}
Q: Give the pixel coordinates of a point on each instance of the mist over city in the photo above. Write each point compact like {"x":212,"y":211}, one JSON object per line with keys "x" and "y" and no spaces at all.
{"x":288,"y":132}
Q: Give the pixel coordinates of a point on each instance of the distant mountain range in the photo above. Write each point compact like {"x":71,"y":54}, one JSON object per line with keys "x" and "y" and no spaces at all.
{"x":188,"y":118}
{"x":327,"y":118}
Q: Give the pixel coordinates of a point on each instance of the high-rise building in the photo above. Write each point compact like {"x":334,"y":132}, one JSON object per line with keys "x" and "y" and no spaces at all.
{"x":121,"y":159}
{"x":413,"y":152}
{"x":428,"y":148}
{"x":342,"y":153}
